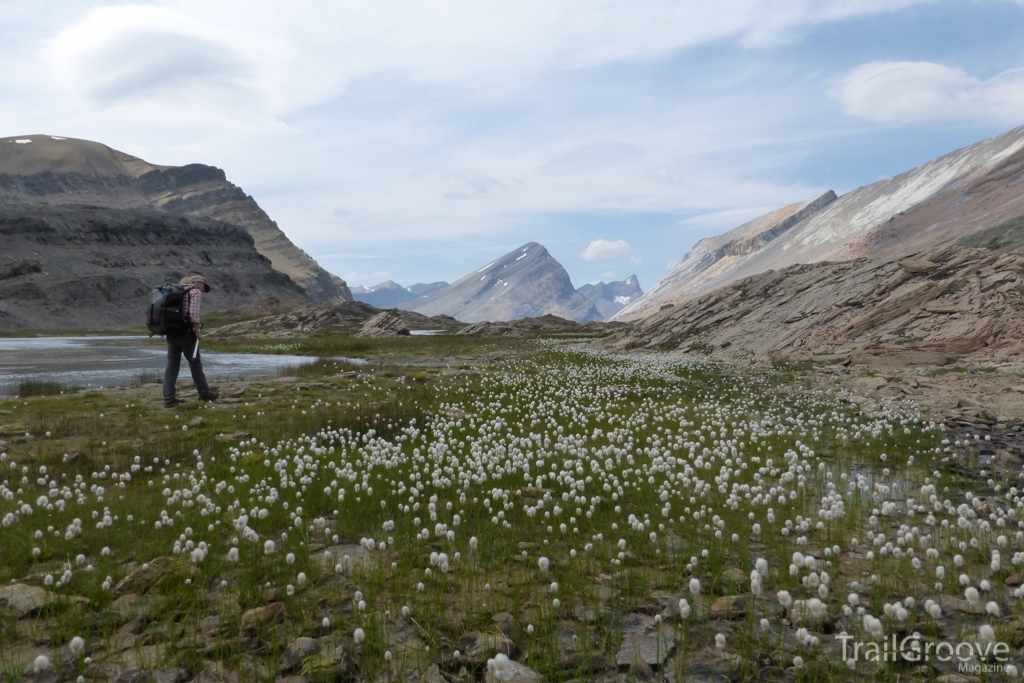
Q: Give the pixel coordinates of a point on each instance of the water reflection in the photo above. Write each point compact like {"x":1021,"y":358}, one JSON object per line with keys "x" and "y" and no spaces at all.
{"x":112,"y":361}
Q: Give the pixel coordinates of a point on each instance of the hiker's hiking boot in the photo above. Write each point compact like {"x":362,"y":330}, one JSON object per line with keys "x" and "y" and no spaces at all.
{"x":173,"y":403}
{"x":211,"y":397}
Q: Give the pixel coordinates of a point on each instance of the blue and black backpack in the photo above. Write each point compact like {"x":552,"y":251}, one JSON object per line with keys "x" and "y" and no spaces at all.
{"x":165,"y":314}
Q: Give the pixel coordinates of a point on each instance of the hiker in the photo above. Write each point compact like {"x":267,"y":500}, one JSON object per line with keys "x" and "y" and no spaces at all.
{"x":185,"y":343}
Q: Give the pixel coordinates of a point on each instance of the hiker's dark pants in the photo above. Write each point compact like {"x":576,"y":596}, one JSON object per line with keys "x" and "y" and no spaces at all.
{"x":176,"y":346}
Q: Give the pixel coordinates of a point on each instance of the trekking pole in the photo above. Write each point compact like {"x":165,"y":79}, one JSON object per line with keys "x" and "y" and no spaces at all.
{"x":195,"y":350}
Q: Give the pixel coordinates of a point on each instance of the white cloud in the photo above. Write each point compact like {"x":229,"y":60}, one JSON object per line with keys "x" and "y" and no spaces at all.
{"x":912,"y":92}
{"x":267,"y":60}
{"x":602,"y":249}
{"x":359,"y":125}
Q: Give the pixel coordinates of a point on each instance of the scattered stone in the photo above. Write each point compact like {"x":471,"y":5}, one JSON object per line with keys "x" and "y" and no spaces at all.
{"x":729,"y":607}
{"x":952,"y":604}
{"x":334,"y":664}
{"x":294,"y":654}
{"x":643,"y":640}
{"x":234,"y":436}
{"x":918,"y":266}
{"x":513,"y":672}
{"x":130,"y":606}
{"x":735,"y":577}
{"x":149,"y":575}
{"x":433,"y":675}
{"x":505,"y":623}
{"x":956,"y":678}
{"x":216,"y":672}
{"x":273,"y":594}
{"x":870,"y":383}
{"x":260,"y":617}
{"x":25,"y":599}
{"x":155,"y":676}
{"x":477,"y":647}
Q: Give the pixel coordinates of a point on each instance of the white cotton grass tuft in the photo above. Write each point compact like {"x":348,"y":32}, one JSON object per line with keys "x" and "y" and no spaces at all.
{"x":41,"y":663}
{"x":544,"y":564}
{"x":268,"y":547}
{"x":359,"y":635}
{"x":233,"y":555}
{"x":499,"y":668}
{"x":76,"y":645}
{"x":720,"y":641}
{"x":695,"y":586}
{"x":684,"y":608}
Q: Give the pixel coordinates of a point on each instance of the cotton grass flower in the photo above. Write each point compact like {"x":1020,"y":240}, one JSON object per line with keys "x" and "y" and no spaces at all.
{"x":359,"y":635}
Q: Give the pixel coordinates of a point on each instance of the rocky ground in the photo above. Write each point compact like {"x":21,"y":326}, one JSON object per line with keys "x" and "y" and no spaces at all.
{"x":943,"y":306}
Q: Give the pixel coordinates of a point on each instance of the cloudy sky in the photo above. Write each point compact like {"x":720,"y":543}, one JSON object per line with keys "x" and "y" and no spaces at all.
{"x":415,"y":140}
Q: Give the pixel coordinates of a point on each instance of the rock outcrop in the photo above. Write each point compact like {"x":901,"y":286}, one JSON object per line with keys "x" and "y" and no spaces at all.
{"x":940,"y":306}
{"x":384,"y":324}
{"x":47,"y":171}
{"x":351,"y":316}
{"x":611,"y":297}
{"x":526,"y":282}
{"x":963,"y":193}
{"x":66,"y":267}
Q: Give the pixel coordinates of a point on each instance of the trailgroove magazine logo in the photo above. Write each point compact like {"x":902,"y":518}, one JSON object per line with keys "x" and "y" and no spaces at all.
{"x":970,"y":656}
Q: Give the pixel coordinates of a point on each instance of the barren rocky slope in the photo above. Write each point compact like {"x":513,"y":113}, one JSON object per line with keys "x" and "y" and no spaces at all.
{"x":66,"y":267}
{"x":611,"y":297}
{"x":937,"y":307}
{"x":45,"y":170}
{"x":704,"y":265}
{"x":963,"y":192}
{"x":527,"y":282}
{"x":389,"y":293}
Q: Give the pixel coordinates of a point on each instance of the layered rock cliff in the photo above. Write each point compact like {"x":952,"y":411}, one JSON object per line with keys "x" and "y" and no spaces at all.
{"x":45,"y":170}
{"x":67,"y":267}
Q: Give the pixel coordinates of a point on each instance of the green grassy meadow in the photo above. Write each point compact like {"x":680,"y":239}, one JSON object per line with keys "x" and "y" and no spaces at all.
{"x":586,"y":514}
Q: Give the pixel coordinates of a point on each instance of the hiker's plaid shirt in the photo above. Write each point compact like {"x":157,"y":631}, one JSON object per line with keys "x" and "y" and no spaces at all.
{"x":193,"y":301}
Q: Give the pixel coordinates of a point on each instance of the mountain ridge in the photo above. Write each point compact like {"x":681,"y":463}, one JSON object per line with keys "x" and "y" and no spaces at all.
{"x":50,"y":170}
{"x":527,"y":282}
{"x":925,"y":207}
